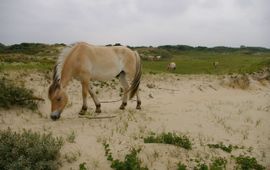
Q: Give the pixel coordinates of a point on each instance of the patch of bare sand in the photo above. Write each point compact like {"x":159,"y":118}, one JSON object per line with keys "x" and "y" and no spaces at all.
{"x":195,"y":105}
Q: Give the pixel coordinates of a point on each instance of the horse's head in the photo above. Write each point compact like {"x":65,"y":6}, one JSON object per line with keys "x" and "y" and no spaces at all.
{"x":58,"y":98}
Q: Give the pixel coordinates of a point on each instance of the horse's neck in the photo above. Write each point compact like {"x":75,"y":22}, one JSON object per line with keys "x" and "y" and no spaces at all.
{"x":66,"y":76}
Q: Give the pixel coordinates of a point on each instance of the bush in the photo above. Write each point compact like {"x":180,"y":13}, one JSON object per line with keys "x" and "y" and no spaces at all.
{"x":222,"y":146}
{"x":169,"y":138}
{"x":28,"y":150}
{"x":181,"y":166}
{"x":131,"y":161}
{"x":248,"y":163}
{"x":11,"y":95}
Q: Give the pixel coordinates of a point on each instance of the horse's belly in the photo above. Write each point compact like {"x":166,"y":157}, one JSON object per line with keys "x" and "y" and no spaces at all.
{"x":104,"y":75}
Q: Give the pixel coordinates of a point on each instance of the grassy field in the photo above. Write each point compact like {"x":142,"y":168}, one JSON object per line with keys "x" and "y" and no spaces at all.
{"x":189,"y":60}
{"x":192,"y":62}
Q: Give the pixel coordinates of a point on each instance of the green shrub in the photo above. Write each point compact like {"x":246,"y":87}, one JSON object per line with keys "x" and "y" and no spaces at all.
{"x":131,"y":161}
{"x":82,"y":166}
{"x":71,"y":137}
{"x":181,"y":166}
{"x":248,"y":163}
{"x":218,"y":164}
{"x":11,"y":95}
{"x":28,"y":150}
{"x":200,"y":166}
{"x":222,"y":146}
{"x":169,"y":138}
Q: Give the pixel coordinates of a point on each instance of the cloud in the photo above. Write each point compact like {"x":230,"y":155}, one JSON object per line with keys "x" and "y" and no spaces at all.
{"x":137,"y":22}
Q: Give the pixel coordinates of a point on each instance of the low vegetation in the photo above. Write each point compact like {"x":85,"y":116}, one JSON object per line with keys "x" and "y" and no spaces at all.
{"x":29,"y":150}
{"x":169,"y":138}
{"x":71,"y":137}
{"x":218,"y":164}
{"x":131,"y":161}
{"x":248,"y":163}
{"x":189,"y":60}
{"x":223,"y":147}
{"x":181,"y":166}
{"x":12,"y":95}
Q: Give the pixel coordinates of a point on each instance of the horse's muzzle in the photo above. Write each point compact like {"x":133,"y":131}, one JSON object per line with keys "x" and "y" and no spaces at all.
{"x":55,"y":115}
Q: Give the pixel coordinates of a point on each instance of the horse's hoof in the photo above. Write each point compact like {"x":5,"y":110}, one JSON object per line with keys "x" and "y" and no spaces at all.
{"x":123,"y":105}
{"x":82,"y":112}
{"x":98,"y":111}
{"x":138,"y":108}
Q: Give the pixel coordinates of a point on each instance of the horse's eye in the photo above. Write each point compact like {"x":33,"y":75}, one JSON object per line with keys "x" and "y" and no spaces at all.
{"x":58,"y":99}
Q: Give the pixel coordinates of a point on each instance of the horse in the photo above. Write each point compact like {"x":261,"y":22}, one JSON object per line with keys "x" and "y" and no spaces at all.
{"x":215,"y":64}
{"x":171,"y":66}
{"x":86,"y":63}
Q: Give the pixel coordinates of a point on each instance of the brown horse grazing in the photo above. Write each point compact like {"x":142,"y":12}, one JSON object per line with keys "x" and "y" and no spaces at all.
{"x":86,"y":62}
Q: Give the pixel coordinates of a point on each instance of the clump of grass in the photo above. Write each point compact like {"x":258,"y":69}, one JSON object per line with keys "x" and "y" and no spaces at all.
{"x":222,"y":146}
{"x":82,"y":166}
{"x":72,"y":156}
{"x":169,"y":138}
{"x":201,"y":166}
{"x":11,"y":95}
{"x":181,"y":166}
{"x":131,"y":161}
{"x":218,"y":164}
{"x":248,"y":163}
{"x":29,"y":150}
{"x":71,"y":137}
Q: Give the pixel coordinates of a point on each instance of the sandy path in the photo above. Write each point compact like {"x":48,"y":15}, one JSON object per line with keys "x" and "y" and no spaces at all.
{"x":197,"y":106}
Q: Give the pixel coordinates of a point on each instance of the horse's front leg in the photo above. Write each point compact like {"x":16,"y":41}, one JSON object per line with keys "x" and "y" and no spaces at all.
{"x":84,"y":96}
{"x":96,"y":101}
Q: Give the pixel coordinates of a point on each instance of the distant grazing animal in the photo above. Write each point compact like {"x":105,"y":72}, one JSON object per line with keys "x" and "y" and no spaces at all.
{"x":150,"y":57}
{"x":87,"y":62}
{"x":215,"y":64}
{"x":157,"y":57}
{"x":171,"y":66}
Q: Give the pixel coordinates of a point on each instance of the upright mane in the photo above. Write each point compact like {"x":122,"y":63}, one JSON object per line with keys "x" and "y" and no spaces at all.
{"x":57,"y":72}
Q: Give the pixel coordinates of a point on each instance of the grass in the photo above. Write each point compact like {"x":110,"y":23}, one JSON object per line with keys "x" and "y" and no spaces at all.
{"x":223,"y":147}
{"x":71,"y":137}
{"x":82,"y":166}
{"x":193,"y":62}
{"x":181,"y":166}
{"x":189,"y":60}
{"x":218,"y":164}
{"x":131,"y":161}
{"x":169,"y":138}
{"x":248,"y":163}
{"x":29,"y":150}
{"x":201,"y":166}
{"x":11,"y":95}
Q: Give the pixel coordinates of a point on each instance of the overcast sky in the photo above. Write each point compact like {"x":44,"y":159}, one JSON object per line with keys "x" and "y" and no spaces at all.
{"x":137,"y":22}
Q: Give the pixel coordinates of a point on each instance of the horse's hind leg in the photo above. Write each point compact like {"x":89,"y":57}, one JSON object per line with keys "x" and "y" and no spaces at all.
{"x":124,"y":83}
{"x":96,"y":101}
{"x":84,"y":95}
{"x":138,"y":101}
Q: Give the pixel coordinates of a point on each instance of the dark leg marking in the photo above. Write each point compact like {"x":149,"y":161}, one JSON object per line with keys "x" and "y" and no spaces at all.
{"x":83,"y":110}
{"x":98,"y":110}
{"x":139,"y":105}
{"x":123,"y":105}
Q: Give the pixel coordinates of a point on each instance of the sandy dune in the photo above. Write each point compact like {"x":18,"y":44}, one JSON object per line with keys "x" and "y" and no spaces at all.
{"x":197,"y":106}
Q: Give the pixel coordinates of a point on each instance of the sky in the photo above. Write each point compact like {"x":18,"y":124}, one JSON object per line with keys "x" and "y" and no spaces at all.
{"x":137,"y":22}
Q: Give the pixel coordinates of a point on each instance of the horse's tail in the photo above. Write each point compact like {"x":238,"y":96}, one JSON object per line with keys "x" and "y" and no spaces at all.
{"x":137,"y":77}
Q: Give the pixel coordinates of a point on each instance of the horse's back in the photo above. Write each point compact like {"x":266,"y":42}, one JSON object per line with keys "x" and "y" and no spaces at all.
{"x":104,"y":63}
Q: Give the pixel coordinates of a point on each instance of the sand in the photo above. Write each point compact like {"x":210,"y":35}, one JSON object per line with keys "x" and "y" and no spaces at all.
{"x":198,"y":106}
